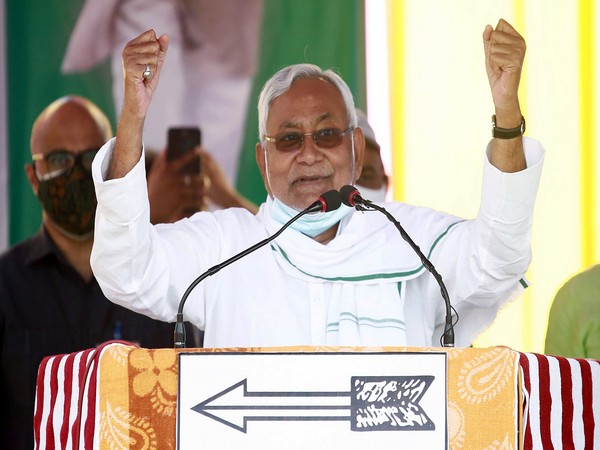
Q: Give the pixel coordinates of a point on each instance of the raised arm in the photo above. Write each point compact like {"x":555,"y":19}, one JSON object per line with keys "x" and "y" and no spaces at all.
{"x":504,"y":55}
{"x":145,"y":51}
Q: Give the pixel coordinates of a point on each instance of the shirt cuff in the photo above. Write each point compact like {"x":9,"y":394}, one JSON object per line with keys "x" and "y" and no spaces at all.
{"x":510,"y":197}
{"x":120,"y":200}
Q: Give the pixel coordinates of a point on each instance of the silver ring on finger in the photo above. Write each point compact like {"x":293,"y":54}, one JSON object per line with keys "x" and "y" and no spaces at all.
{"x":147,"y":72}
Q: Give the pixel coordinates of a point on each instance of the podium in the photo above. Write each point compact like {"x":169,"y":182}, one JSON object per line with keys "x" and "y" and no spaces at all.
{"x":120,"y":396}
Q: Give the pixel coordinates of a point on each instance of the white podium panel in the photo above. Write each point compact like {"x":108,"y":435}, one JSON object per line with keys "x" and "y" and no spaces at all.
{"x":295,"y":400}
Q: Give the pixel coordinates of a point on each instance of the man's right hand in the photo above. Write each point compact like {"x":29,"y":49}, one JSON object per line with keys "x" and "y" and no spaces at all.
{"x":146,"y":50}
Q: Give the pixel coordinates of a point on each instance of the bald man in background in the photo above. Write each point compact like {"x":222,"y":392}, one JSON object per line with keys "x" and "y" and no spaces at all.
{"x":50,"y":302}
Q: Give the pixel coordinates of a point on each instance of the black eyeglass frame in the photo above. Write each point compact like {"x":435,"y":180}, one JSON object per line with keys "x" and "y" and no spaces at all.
{"x":72,"y":158}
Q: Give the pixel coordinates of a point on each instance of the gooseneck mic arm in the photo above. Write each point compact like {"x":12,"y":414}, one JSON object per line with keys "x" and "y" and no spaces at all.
{"x":351,"y":197}
{"x":329,"y":201}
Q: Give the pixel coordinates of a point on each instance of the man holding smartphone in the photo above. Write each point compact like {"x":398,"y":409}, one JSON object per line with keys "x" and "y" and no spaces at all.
{"x":184,"y":178}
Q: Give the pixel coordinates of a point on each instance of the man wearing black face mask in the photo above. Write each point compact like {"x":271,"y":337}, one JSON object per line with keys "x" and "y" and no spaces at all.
{"x":50,"y":302}
{"x":65,"y":192}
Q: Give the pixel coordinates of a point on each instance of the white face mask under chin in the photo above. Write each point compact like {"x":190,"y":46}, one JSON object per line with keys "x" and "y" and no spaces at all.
{"x":375,"y":195}
{"x":311,"y":224}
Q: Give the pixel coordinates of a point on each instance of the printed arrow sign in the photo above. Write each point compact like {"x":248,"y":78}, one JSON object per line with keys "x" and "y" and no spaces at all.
{"x":375,"y":403}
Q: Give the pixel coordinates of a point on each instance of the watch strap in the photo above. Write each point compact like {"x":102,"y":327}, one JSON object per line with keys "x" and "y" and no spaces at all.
{"x":507,"y":133}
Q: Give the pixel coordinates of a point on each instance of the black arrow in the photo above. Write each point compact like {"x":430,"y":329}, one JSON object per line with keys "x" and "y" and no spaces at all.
{"x":374,"y":404}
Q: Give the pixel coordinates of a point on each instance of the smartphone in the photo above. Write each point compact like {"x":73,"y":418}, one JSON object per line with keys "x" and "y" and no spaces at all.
{"x":181,"y":140}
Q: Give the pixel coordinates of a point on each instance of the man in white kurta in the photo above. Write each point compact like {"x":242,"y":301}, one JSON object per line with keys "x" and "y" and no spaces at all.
{"x":352,"y":280}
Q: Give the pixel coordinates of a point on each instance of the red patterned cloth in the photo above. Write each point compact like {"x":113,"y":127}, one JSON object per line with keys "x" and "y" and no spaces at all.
{"x":65,"y":403}
{"x":562,"y":402}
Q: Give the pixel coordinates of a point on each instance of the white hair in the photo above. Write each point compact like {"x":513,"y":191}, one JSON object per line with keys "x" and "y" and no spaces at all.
{"x":281,"y":82}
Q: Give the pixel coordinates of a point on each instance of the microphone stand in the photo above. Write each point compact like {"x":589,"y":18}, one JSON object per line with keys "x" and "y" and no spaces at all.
{"x":353,"y":198}
{"x":328,"y":201}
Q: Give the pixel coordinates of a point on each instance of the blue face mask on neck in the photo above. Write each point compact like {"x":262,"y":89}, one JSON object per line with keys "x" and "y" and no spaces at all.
{"x":311,"y":224}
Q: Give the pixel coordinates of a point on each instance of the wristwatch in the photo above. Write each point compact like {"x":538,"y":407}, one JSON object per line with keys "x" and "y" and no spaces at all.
{"x":507,"y":133}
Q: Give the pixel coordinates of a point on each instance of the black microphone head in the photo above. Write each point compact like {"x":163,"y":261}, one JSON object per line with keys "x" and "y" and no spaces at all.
{"x":348,"y":194}
{"x":331,"y":200}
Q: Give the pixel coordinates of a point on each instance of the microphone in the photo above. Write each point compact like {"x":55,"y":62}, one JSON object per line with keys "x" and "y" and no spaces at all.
{"x":328,"y":201}
{"x":351,"y":197}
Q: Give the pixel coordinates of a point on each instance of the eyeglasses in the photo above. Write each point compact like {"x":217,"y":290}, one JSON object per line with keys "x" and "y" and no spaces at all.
{"x":325,"y":138}
{"x":57,"y":162}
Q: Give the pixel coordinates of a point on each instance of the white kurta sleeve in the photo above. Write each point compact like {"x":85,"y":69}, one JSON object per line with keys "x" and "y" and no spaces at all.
{"x":122,"y":259}
{"x":483,"y":261}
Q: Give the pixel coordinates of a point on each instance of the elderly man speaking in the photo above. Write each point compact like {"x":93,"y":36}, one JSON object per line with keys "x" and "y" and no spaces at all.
{"x":340,"y":277}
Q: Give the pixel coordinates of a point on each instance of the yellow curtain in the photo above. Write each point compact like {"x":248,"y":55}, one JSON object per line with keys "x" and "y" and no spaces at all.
{"x":440,"y":109}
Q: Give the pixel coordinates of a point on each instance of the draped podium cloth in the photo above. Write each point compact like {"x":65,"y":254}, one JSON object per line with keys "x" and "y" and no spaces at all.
{"x":562,"y":401}
{"x":129,"y":398}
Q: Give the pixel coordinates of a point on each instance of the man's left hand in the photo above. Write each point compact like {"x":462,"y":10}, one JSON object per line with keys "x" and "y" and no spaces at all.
{"x":504,"y":55}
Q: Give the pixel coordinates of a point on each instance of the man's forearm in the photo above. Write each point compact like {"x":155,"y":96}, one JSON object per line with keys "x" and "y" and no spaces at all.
{"x":507,"y":155}
{"x":128,"y":147}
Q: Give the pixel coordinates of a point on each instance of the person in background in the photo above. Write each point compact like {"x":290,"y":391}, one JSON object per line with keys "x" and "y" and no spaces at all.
{"x":341,"y":277}
{"x":50,"y":301}
{"x":212,"y":61}
{"x":574,"y":322}
{"x":174,"y":196}
{"x":373,"y":181}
